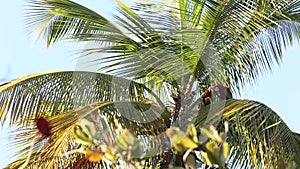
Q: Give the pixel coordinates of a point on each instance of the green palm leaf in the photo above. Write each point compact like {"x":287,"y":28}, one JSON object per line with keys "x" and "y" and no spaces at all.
{"x":170,"y":47}
{"x":69,"y":20}
{"x":107,"y":116}
{"x":48,"y":94}
{"x":130,"y":57}
{"x":202,"y":38}
{"x":257,"y":134}
{"x":244,"y":37}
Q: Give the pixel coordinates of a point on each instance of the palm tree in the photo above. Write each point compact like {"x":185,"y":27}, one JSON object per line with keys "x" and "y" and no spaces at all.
{"x":161,"y":56}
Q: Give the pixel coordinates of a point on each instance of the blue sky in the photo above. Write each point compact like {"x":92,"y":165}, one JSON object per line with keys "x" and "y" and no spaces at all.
{"x":20,"y":56}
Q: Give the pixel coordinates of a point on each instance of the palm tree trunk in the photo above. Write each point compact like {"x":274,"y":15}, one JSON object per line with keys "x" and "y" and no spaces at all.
{"x":167,"y":156}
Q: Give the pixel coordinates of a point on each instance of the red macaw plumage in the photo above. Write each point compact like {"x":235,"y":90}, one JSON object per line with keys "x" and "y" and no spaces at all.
{"x":43,"y":126}
{"x":221,"y":91}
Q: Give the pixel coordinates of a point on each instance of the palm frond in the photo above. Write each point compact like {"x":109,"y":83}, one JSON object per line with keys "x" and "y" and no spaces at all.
{"x":216,"y":41}
{"x":57,"y":20}
{"x":228,"y":41}
{"x":143,"y":119}
{"x":138,"y":52}
{"x":38,"y":161}
{"x":292,"y":10}
{"x":51,"y":93}
{"x":244,"y":38}
{"x":156,"y":55}
{"x":259,"y":137}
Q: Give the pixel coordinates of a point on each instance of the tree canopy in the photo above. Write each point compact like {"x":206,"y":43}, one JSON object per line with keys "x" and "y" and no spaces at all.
{"x":155,"y":59}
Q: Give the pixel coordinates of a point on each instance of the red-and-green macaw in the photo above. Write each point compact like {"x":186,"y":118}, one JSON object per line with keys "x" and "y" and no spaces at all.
{"x":43,"y":127}
{"x":216,"y":93}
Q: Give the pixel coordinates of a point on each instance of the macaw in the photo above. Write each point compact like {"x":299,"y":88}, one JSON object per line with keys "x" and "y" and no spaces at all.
{"x":215,"y":93}
{"x":43,"y":126}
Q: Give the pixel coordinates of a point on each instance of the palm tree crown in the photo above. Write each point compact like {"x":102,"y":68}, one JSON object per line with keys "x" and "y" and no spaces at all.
{"x":160,"y":56}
